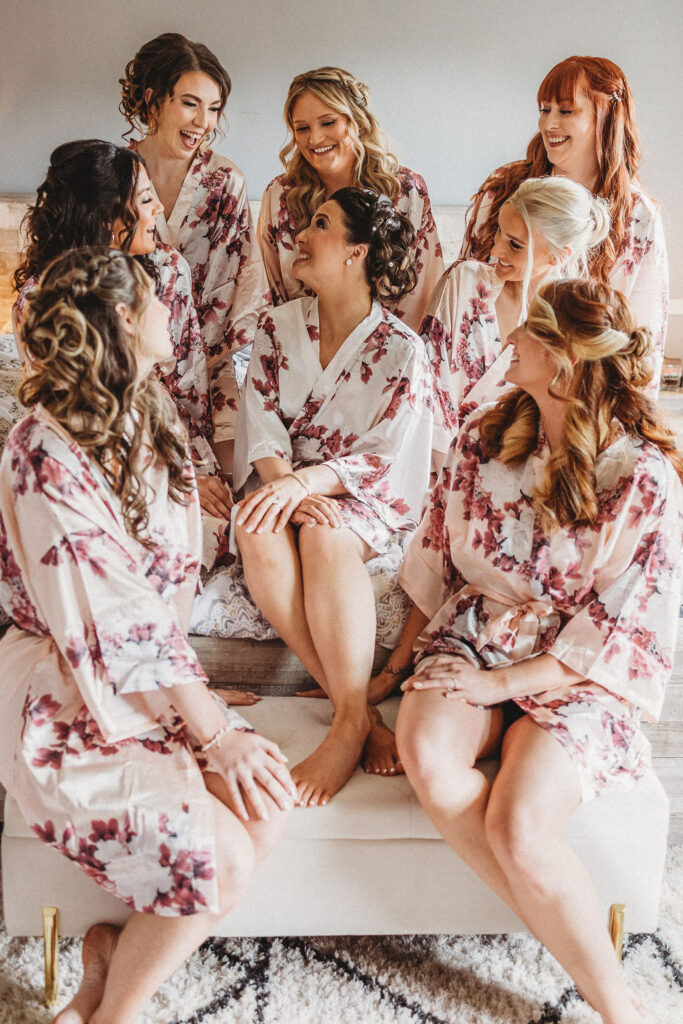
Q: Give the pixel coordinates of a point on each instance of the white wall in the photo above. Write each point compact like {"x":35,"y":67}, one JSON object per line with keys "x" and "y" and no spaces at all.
{"x":453,"y":81}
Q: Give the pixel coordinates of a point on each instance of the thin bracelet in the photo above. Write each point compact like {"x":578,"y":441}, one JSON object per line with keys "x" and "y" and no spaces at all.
{"x":303,"y":483}
{"x":215,"y":741}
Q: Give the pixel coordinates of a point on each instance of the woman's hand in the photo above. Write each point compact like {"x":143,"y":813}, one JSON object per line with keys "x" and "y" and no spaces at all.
{"x":461,"y":681}
{"x":269,"y":509}
{"x":317,"y":508}
{"x":214,"y":496}
{"x":248,"y":762}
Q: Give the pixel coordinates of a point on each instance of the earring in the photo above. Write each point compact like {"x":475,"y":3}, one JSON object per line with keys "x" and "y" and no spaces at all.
{"x":349,"y":262}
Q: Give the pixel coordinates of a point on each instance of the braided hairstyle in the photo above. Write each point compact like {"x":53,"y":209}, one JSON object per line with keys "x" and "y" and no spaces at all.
{"x":376,"y":167}
{"x":618,"y":151}
{"x":372,"y":220}
{"x":603,"y":365}
{"x":89,"y":184}
{"x":157,"y":66}
{"x":84,"y":373}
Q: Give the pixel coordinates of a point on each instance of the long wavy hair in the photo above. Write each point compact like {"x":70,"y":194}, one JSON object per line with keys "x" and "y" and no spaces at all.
{"x":602,"y":368}
{"x":618,"y":152}
{"x":157,"y":66}
{"x":375,"y":166}
{"x":84,"y":373}
{"x":89,"y":184}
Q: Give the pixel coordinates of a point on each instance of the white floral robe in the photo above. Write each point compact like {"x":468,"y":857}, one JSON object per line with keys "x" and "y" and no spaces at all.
{"x":277,"y":233}
{"x":641,"y":271}
{"x":211,"y":226}
{"x":185,"y":375}
{"x":367,"y":414}
{"x":99,"y":620}
{"x":462,"y":338}
{"x":603,"y":600}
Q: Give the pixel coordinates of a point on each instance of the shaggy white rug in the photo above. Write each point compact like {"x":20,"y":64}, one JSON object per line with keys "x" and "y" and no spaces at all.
{"x":372,"y":980}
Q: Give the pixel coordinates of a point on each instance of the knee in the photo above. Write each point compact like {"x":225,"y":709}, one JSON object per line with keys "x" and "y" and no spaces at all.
{"x":254,"y":548}
{"x":419,"y":744}
{"x":235,"y":870}
{"x":518,"y":841}
{"x":270,"y":833}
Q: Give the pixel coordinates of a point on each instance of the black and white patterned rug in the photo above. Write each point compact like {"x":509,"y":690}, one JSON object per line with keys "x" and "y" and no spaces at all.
{"x":373,"y":980}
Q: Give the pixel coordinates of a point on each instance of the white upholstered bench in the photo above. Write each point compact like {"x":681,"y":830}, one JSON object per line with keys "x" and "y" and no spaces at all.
{"x":369,"y":863}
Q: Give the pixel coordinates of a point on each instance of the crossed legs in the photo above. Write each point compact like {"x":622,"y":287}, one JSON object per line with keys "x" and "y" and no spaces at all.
{"x":511,"y":833}
{"x":315,"y":591}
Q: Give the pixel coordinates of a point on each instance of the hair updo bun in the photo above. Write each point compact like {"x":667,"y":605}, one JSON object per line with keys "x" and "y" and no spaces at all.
{"x":372,"y":220}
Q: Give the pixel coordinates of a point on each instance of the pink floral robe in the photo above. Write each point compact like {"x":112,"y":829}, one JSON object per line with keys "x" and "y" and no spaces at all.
{"x":211,"y":226}
{"x":464,"y":347}
{"x":99,"y":621}
{"x":186,"y":374}
{"x":277,"y":232}
{"x":603,"y":600}
{"x":641,"y":271}
{"x":367,"y":414}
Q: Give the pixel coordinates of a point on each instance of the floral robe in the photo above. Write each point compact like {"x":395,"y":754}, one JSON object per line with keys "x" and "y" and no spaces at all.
{"x":603,"y":600}
{"x":99,"y":621}
{"x":641,"y":271}
{"x":367,"y":414}
{"x":186,"y":374}
{"x":464,"y":347}
{"x":211,"y":226}
{"x":277,"y":233}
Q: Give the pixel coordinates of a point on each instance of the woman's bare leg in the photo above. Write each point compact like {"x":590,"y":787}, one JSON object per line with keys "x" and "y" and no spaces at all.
{"x":438,"y":742}
{"x":123,"y":969}
{"x":340,"y":611}
{"x":272,"y":569}
{"x":531,"y":799}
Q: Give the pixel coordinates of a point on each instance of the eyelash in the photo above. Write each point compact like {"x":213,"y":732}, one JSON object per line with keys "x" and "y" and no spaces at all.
{"x":546,"y":110}
{"x":320,"y":222}
{"x":306,"y":128}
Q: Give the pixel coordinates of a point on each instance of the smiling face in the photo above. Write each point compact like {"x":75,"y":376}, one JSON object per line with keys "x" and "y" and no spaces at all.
{"x":146,"y":208}
{"x":324,"y":248}
{"x":322,"y":135}
{"x":184,"y":119}
{"x":532,"y":367}
{"x":568,"y":132}
{"x":511,"y":248}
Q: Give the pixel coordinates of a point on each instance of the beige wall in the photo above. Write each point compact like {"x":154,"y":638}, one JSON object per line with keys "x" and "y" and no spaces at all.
{"x":453,"y":81}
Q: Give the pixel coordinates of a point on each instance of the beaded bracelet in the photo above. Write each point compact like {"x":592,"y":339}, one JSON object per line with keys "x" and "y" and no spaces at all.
{"x":303,"y":483}
{"x":215,"y":741}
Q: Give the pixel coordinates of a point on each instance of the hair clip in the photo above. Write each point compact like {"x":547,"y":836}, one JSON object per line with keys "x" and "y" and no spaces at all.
{"x":374,"y":228}
{"x":390,"y":263}
{"x":616,"y":97}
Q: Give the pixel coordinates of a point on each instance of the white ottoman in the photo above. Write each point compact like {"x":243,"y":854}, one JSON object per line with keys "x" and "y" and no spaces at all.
{"x":370,"y":862}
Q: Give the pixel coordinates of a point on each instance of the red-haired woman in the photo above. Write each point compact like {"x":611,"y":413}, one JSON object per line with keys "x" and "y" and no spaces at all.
{"x":587,"y":132}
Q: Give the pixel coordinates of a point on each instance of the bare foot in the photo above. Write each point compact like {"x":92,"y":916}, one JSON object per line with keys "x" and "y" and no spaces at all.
{"x":330,"y":767}
{"x":98,"y":948}
{"x":243,"y":698}
{"x":380,"y":756}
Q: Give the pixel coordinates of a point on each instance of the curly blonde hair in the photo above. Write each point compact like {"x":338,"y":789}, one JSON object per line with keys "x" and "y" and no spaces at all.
{"x":376,"y":167}
{"x":602,"y":368}
{"x":84,"y":373}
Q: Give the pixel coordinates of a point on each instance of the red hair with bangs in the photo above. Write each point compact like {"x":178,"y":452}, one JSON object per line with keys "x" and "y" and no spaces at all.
{"x":617,"y":148}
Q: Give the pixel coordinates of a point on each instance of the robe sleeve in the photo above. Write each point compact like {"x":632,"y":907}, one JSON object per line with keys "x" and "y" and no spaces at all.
{"x":426,"y":248}
{"x":388,"y":469}
{"x":623,"y":637}
{"x":267,"y":237}
{"x":261,"y":432}
{"x":118,"y":631}
{"x":427,"y":573}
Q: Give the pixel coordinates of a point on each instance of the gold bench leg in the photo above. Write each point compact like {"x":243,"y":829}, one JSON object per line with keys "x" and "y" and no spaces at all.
{"x":616,"y":927}
{"x":51,"y":940}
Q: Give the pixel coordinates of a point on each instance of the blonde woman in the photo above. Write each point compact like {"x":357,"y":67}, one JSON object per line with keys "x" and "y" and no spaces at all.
{"x":548,"y":228}
{"x":116,"y":752}
{"x":336,"y":143}
{"x":546,"y":571}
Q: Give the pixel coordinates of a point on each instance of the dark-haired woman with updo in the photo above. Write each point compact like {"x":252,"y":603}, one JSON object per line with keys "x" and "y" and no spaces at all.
{"x":335,"y":143}
{"x":546,"y":573}
{"x":334,"y":433}
{"x":112,"y":745}
{"x":174,"y":92}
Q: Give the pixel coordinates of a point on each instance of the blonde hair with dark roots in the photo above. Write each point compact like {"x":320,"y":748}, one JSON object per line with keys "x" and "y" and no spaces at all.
{"x":602,"y":368}
{"x":375,"y":167}
{"x":618,"y":152}
{"x":84,"y":373}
